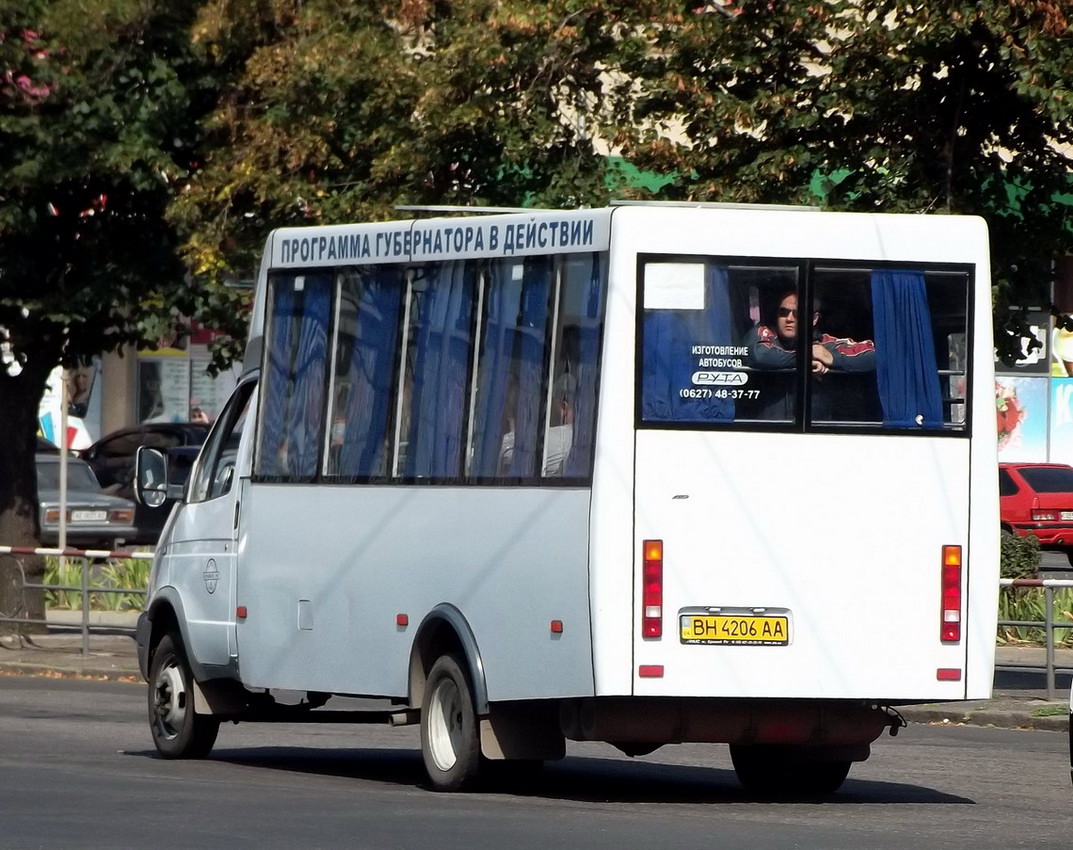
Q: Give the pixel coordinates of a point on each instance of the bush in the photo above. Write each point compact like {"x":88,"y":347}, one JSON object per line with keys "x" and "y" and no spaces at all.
{"x":1029,"y":604}
{"x":1020,"y":559}
{"x":1019,"y":556}
{"x":129,"y":575}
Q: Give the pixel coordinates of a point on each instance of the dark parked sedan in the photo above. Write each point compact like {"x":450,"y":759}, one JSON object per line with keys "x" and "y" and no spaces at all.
{"x":112,"y":456}
{"x":112,"y":460}
{"x":94,"y":518}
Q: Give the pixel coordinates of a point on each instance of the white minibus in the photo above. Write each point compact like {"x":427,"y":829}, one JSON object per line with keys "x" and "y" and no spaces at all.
{"x":650,"y":474}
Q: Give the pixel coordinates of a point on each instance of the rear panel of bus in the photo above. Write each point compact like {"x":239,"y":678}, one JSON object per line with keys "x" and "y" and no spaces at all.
{"x":790,"y":533}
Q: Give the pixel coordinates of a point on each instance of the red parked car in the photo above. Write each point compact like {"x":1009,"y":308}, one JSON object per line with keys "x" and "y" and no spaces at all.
{"x":1037,"y":498}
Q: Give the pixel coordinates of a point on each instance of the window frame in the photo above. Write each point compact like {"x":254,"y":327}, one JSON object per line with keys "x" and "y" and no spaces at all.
{"x":394,"y":473}
{"x":802,"y":421}
{"x":201,"y":481}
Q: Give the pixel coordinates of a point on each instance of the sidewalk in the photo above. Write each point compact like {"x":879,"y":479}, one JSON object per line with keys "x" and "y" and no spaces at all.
{"x":112,"y":654}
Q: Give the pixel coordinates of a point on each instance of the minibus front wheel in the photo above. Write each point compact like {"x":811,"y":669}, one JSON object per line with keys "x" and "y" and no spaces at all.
{"x":178,"y":731}
{"x":450,"y":742}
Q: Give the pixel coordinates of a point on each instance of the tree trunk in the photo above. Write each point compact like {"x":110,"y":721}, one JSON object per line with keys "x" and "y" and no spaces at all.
{"x":20,"y":398}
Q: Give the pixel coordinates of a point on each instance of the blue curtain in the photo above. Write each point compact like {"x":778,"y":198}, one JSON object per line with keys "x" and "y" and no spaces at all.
{"x":491,"y":418}
{"x":587,"y":370}
{"x":276,"y":379}
{"x":529,"y":356}
{"x":305,"y":409}
{"x":441,"y":351}
{"x":502,"y":301}
{"x":370,"y":372}
{"x":295,"y":376}
{"x":906,"y":369}
{"x":668,"y":361}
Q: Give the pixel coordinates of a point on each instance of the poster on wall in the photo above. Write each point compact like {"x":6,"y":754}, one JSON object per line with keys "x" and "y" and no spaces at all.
{"x":83,"y":408}
{"x":208,"y":393}
{"x":1062,"y":321}
{"x":163,"y":389}
{"x":1021,"y":408}
{"x":1061,"y":448}
{"x":80,"y":382}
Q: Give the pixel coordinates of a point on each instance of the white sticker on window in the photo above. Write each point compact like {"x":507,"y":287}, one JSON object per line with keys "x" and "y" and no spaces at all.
{"x":674,"y":286}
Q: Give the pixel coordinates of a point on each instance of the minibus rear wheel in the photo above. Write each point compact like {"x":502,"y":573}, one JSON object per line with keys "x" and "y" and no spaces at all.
{"x":766,"y":770}
{"x":450,"y":743}
{"x":178,"y":731}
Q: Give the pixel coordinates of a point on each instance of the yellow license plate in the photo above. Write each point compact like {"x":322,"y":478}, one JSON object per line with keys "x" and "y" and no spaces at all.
{"x":734,"y":630}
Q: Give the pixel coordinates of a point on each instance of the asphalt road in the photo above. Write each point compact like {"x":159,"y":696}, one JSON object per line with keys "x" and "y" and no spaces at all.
{"x":77,"y":770}
{"x":1055,"y":565}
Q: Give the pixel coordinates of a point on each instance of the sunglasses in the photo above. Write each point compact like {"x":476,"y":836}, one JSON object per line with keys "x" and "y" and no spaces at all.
{"x":787,"y":311}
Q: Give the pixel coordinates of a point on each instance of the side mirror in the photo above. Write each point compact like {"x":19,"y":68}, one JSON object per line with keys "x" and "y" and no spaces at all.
{"x":150,"y":477}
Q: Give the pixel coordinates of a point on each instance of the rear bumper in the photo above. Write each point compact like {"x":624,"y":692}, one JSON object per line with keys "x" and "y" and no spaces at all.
{"x":89,"y":536}
{"x":1057,"y":534}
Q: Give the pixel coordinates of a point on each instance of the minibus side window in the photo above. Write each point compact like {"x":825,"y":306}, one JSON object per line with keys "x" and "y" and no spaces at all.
{"x":511,"y":369}
{"x":366,"y":354}
{"x":295,"y":375}
{"x":216,"y":471}
{"x":438,"y":354}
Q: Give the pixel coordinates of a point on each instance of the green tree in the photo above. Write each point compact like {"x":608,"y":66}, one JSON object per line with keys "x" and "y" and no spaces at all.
{"x":952,"y":107}
{"x":97,"y":123}
{"x":344,"y":111}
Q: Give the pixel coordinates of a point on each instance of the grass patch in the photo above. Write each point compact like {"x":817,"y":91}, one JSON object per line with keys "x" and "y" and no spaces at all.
{"x":1051,"y":711}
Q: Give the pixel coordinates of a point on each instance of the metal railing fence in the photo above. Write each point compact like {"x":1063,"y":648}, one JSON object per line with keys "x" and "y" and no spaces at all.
{"x":1050,"y":667}
{"x":89,"y":557}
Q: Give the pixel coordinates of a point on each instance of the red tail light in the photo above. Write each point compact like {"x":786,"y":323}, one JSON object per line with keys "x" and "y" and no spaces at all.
{"x":652,"y":590}
{"x":1042,"y":514}
{"x":950,"y":625}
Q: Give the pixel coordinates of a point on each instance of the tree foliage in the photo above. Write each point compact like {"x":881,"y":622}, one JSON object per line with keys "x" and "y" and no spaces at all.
{"x":344,"y":111}
{"x":952,"y":107}
{"x":98,"y":119}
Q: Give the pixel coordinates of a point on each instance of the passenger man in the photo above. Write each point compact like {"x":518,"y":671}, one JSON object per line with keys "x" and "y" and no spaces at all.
{"x":776,"y":349}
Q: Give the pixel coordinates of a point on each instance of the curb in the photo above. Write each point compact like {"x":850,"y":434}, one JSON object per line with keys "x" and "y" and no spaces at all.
{"x":936,"y":715}
{"x":91,"y":670}
{"x":60,"y":656}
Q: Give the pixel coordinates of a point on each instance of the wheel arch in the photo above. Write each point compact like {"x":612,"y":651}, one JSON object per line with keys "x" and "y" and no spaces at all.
{"x":167,"y":616}
{"x":445,"y":630}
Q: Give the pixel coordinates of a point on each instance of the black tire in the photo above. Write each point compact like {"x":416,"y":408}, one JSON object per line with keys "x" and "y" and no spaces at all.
{"x":178,"y":732}
{"x":768,"y":772}
{"x":450,"y":741}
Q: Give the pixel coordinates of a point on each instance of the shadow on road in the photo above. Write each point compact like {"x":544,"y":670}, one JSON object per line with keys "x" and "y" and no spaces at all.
{"x":577,"y":779}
